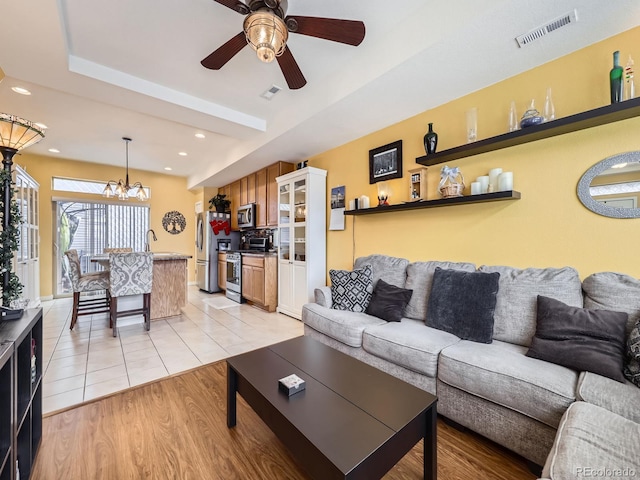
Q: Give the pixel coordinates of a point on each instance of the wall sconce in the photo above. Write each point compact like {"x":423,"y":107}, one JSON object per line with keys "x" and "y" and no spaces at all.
{"x":383,"y":193}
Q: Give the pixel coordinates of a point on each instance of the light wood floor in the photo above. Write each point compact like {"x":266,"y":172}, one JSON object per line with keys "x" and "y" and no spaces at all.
{"x":176,"y":428}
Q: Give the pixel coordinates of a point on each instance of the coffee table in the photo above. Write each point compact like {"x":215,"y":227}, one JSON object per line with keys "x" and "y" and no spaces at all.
{"x":352,"y":421}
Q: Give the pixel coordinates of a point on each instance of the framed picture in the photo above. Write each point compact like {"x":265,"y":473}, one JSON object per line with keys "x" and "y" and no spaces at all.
{"x":385,"y":162}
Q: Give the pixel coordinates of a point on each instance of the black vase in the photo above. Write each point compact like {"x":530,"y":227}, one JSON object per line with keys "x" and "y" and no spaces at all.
{"x":430,"y":140}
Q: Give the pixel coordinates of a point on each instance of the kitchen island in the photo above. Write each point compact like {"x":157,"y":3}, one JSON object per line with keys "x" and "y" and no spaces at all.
{"x":170,"y":276}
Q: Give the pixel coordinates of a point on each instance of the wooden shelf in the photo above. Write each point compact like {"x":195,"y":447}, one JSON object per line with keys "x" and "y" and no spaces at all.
{"x":441,"y":202}
{"x":572,"y":123}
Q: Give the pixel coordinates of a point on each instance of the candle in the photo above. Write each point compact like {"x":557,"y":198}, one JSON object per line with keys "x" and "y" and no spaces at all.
{"x":364,"y":201}
{"x":484,"y":183}
{"x":476,"y":188}
{"x":493,"y":178}
{"x":505,"y":181}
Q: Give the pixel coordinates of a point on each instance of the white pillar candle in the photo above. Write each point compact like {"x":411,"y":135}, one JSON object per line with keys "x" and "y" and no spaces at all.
{"x":364,"y":202}
{"x":476,"y":188}
{"x":505,"y":181}
{"x":493,"y":178}
{"x":484,"y":183}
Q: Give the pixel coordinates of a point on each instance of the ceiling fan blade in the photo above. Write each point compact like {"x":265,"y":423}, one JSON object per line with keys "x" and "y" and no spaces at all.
{"x":350,"y":32}
{"x":291,"y":70}
{"x":217,"y":59}
{"x":235,"y":5}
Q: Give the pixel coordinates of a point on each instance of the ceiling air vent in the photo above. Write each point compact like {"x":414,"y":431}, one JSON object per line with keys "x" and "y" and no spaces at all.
{"x":270,"y":93}
{"x":537,"y":33}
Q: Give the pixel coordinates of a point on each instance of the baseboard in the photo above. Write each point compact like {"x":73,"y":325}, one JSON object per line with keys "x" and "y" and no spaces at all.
{"x":46,"y":298}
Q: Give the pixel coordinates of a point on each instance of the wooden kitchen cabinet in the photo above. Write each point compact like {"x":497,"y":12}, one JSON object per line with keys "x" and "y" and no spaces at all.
{"x":235,"y":203}
{"x":259,"y":280}
{"x":261,"y":198}
{"x":243,"y":190}
{"x":274,"y":171}
{"x":222,"y":271}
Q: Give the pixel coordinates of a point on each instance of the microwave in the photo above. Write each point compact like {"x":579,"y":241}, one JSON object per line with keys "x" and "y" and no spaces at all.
{"x":247,"y":216}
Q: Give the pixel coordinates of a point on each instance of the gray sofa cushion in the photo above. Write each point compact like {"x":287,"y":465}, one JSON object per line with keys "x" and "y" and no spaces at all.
{"x":594,"y":443}
{"x":391,"y":269}
{"x":580,"y":338}
{"x":344,"y":326}
{"x":410,"y":344}
{"x":515,"y":315}
{"x":420,"y":279}
{"x":500,"y":372}
{"x":620,"y":398}
{"x":613,"y":291}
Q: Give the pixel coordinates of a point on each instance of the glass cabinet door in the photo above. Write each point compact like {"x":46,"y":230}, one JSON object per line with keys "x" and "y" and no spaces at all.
{"x":300,"y":200}
{"x":284,"y":204}
{"x":285,"y":243}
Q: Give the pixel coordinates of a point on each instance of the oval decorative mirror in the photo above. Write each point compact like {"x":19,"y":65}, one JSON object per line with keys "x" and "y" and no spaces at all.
{"x":612,"y":186}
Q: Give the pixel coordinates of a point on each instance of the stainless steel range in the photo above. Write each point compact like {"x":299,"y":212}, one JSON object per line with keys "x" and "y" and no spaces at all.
{"x":234,"y":276}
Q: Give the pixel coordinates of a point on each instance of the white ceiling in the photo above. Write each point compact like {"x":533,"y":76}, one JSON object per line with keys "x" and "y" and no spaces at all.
{"x":99,"y":71}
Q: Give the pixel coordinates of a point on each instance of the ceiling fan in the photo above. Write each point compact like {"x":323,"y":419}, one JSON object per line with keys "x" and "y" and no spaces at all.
{"x":266,"y":28}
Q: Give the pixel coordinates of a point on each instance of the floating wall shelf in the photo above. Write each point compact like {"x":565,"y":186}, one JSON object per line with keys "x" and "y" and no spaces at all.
{"x":572,"y":123}
{"x":441,"y":202}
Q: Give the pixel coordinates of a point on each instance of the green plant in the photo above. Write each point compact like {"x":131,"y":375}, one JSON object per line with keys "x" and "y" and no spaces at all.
{"x":9,"y":241}
{"x":220,"y":203}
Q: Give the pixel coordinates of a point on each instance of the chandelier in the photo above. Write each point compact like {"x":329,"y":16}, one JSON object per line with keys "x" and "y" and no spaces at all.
{"x":122,"y":188}
{"x":266,"y":33}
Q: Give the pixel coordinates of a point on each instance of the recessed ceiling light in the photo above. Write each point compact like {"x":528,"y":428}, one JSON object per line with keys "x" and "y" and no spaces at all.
{"x":168,"y":169}
{"x":21,"y":91}
{"x":41,"y":125}
{"x":54,"y":150}
{"x":182,"y":154}
{"x":200,"y":135}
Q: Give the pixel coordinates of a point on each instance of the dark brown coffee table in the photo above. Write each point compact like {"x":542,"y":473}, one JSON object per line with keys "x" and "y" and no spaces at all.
{"x":352,"y":421}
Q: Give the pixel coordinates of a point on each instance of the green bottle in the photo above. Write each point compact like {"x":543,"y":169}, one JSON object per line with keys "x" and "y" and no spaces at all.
{"x":616,"y":79}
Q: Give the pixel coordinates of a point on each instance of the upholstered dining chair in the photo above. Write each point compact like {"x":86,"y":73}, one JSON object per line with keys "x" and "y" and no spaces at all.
{"x":117,"y":250}
{"x":85,"y":283}
{"x":130,"y":274}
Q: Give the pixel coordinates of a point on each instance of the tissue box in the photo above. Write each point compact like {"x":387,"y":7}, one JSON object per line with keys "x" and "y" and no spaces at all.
{"x":291,"y":384}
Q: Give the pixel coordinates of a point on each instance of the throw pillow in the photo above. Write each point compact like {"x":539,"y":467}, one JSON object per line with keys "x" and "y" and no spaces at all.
{"x":388,"y":301}
{"x":463,"y":303}
{"x":351,"y":290}
{"x":580,"y":338}
{"x":632,"y":368}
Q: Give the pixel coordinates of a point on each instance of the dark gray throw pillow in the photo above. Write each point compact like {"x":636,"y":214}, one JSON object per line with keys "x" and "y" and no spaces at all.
{"x":580,"y":338}
{"x":462,"y":303}
{"x":632,"y":367}
{"x":388,"y":301}
{"x":351,"y":290}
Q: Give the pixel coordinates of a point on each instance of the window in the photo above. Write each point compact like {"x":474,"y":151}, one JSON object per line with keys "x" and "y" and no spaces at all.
{"x":86,"y":186}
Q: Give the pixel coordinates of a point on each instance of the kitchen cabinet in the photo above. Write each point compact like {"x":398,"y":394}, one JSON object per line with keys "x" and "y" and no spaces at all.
{"x":259,"y":280}
{"x":243,"y":190}
{"x":302,"y":251}
{"x":20,"y":394}
{"x":248,"y":189}
{"x":235,"y":203}
{"x":261,"y":198}
{"x":222,"y":271}
{"x":273,"y":172}
{"x":27,"y":257}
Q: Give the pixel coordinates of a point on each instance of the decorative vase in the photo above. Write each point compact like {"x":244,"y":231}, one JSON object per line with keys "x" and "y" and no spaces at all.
{"x":630,"y":86}
{"x":513,"y":117}
{"x":549,"y":109}
{"x":615,"y":79}
{"x":531,"y":116}
{"x":430,"y":140}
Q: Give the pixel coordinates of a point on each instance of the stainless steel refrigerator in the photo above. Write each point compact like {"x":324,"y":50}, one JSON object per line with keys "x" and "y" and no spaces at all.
{"x":213,"y":234}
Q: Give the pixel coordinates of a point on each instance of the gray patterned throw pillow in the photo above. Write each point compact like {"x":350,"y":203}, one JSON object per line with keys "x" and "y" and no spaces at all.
{"x":632,"y":368}
{"x":351,"y":290}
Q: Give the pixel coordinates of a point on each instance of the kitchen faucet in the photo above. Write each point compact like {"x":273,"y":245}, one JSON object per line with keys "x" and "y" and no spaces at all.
{"x":155,"y":239}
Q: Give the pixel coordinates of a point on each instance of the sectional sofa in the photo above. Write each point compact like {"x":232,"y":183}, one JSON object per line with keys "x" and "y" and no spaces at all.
{"x":575,"y":423}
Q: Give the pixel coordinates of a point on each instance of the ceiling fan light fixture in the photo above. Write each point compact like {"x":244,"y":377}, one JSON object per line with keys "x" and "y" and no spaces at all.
{"x":266,"y":33}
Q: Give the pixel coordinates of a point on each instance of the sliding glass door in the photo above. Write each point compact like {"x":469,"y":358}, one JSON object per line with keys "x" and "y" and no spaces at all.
{"x":89,"y":227}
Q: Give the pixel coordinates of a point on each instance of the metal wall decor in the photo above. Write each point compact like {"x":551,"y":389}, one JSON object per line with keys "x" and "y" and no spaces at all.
{"x":174,"y":222}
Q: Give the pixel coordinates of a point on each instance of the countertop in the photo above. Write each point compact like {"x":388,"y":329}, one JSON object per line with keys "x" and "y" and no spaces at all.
{"x":252,"y":252}
{"x":157,"y":256}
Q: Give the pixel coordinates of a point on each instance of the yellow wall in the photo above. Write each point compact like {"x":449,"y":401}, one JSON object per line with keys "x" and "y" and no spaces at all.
{"x":167,"y":193}
{"x":548,"y":226}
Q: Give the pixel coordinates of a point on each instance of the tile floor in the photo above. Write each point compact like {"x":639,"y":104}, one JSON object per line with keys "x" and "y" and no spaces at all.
{"x":88,"y":362}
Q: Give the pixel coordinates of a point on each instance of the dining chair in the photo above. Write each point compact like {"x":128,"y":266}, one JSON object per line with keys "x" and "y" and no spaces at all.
{"x":117,"y":250}
{"x":130,"y":274}
{"x":85,"y":283}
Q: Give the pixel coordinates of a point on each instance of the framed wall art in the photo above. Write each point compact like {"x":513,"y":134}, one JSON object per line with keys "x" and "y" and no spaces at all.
{"x":385,"y":162}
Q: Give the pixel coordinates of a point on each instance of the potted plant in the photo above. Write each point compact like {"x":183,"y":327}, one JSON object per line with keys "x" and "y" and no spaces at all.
{"x":220,"y":203}
{"x":9,"y":240}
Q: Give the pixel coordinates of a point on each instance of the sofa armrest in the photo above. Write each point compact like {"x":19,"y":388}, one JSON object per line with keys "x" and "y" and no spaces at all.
{"x":322,"y":296}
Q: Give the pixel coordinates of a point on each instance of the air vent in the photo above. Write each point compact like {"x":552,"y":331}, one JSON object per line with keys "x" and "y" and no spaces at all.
{"x":269,"y":94}
{"x":537,"y":33}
